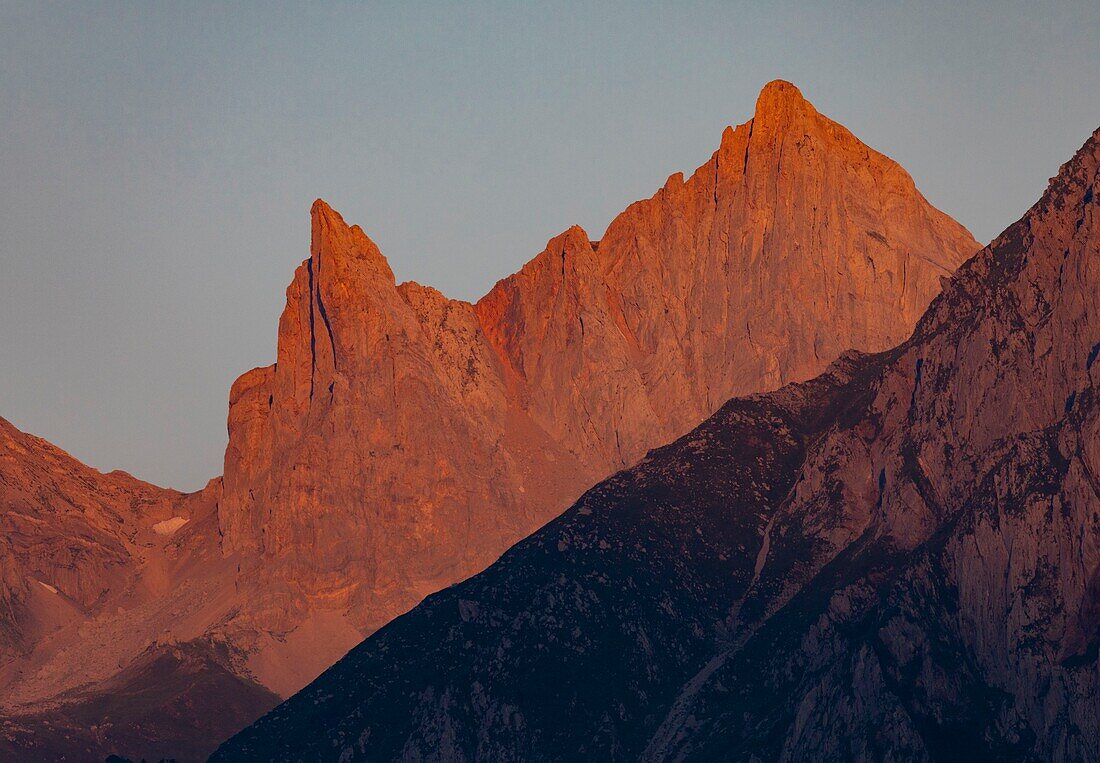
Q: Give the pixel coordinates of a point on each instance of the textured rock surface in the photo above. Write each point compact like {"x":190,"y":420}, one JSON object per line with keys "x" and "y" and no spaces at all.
{"x":403,"y":440}
{"x":65,"y":530}
{"x":108,"y":588}
{"x":896,"y":561}
{"x":413,"y":438}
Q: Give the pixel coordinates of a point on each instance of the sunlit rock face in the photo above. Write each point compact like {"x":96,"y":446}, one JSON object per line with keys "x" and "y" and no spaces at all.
{"x":402,"y":440}
{"x":108,"y":590}
{"x":898,"y":560}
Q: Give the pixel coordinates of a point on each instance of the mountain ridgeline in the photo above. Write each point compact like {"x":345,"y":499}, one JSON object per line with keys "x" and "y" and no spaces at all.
{"x":402,"y":440}
{"x":897,"y":560}
{"x":414,"y":438}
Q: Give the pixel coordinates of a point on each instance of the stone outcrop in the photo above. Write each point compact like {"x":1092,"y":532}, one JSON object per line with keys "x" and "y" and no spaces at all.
{"x":898,"y":560}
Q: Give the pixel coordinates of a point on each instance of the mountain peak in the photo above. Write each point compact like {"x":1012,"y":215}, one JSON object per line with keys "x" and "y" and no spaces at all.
{"x":780,"y":97}
{"x":572,"y":237}
{"x":322,"y":207}
{"x":334,"y":238}
{"x":402,"y":441}
{"x":867,"y":523}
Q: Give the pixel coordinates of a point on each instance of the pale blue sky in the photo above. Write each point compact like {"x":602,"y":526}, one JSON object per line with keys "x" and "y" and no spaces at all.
{"x":158,"y":161}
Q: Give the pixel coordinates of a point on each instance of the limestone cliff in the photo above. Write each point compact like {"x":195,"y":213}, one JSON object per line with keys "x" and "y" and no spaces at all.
{"x":898,"y":560}
{"x":402,"y":440}
{"x":413,"y":438}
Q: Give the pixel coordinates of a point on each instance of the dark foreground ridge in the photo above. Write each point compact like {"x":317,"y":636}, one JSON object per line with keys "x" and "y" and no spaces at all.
{"x":897,"y":560}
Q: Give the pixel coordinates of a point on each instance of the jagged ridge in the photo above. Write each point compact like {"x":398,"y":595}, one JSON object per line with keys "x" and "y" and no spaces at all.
{"x":403,"y":440}
{"x":898,"y":560}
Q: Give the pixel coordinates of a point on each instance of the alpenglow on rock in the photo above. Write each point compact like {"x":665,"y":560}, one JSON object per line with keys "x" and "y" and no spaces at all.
{"x":414,"y":438}
{"x":402,"y":440}
{"x":898,"y":560}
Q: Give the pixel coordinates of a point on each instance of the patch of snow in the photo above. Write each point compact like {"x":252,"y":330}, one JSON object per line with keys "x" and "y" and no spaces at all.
{"x":169,"y":526}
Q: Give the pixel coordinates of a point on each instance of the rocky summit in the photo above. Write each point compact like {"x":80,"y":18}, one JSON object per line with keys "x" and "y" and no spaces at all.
{"x":898,"y":560}
{"x":414,"y":438}
{"x":403,"y":440}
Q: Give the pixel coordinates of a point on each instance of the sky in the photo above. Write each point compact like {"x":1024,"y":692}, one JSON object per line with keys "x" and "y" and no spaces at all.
{"x":158,"y":161}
